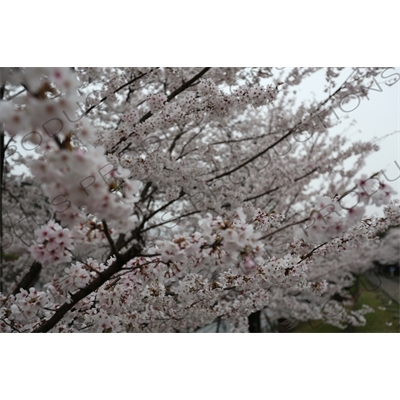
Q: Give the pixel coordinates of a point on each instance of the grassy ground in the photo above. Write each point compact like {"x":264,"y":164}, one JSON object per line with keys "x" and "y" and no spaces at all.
{"x":386,"y":312}
{"x":10,"y":257}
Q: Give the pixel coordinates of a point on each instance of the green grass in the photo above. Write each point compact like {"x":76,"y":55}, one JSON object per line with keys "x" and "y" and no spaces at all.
{"x":376,"y":321}
{"x":10,"y":257}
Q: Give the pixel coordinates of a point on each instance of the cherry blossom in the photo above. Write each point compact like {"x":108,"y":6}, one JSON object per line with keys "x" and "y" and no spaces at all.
{"x":171,"y":199}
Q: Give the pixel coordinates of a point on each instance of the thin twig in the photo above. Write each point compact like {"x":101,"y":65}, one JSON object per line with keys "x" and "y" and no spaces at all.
{"x":110,"y":240}
{"x":311,"y":252}
{"x":183,"y":87}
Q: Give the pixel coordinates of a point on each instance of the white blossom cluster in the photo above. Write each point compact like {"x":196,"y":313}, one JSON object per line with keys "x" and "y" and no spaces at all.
{"x":170,"y":199}
{"x":52,"y":245}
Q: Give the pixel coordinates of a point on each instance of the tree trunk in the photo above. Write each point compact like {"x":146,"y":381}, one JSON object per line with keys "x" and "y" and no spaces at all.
{"x":255,"y":322}
{"x":30,"y":278}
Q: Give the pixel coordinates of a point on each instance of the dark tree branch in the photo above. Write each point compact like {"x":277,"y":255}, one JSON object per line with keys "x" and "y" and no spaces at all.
{"x":292,"y":130}
{"x":311,"y":252}
{"x":255,"y":322}
{"x":280,"y":187}
{"x":110,"y":240}
{"x":115,"y":91}
{"x":284,"y":227}
{"x":183,"y":87}
{"x":2,"y":160}
{"x":96,"y":283}
{"x":30,"y":278}
{"x":147,"y":218}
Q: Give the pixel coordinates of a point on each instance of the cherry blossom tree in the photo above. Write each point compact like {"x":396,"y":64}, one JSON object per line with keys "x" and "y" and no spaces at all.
{"x":174,"y":199}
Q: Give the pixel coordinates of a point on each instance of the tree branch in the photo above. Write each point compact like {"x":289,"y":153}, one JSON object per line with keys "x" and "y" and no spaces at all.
{"x":97,"y":282}
{"x":115,"y":91}
{"x":30,"y":278}
{"x":110,"y":241}
{"x":183,"y":87}
{"x":2,"y":160}
{"x":311,"y":252}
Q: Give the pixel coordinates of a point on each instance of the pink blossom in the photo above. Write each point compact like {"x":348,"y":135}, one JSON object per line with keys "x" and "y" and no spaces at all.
{"x":165,"y":206}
